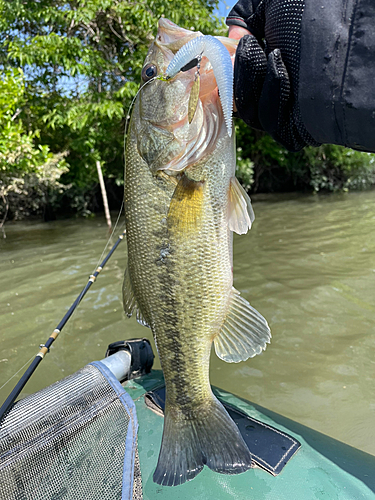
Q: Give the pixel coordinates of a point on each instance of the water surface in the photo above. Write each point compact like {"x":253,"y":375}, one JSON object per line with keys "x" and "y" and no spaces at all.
{"x":308,"y":265}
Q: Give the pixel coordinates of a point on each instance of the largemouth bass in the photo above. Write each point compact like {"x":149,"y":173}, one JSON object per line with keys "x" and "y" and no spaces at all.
{"x":182,"y":203}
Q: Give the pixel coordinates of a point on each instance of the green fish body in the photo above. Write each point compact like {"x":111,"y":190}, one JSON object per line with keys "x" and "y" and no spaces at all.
{"x":182,"y":203}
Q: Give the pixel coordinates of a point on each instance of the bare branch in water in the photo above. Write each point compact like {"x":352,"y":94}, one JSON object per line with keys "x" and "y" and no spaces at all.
{"x":5,"y":200}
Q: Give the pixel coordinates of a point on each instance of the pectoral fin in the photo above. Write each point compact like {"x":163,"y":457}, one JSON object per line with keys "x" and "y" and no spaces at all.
{"x":186,"y":207}
{"x":240,"y":211}
{"x":130,"y":302}
{"x":244,"y":333}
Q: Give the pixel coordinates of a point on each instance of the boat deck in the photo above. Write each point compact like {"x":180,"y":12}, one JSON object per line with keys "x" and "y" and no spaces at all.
{"x":322,"y":468}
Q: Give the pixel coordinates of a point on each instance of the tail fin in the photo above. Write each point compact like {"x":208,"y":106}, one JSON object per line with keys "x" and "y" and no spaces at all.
{"x":205,"y":436}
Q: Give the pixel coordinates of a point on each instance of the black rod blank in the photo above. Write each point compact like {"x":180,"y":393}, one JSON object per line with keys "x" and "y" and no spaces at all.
{"x":44,"y":348}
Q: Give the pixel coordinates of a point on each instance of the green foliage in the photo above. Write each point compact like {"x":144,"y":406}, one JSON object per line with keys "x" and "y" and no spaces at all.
{"x":244,"y":167}
{"x":82,"y":61}
{"x":327,"y":168}
{"x":335,"y":168}
{"x":267,"y":158}
{"x":27,"y":172}
{"x":31,"y":192}
{"x":70,"y":69}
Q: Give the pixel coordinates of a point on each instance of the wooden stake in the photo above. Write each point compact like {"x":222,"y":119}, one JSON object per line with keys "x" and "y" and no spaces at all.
{"x":104,"y":195}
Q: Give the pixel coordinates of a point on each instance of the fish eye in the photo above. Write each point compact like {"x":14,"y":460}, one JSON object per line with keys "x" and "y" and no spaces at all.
{"x":149,"y":71}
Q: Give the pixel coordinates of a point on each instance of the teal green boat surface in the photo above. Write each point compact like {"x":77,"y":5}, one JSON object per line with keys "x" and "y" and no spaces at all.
{"x":322,"y":469}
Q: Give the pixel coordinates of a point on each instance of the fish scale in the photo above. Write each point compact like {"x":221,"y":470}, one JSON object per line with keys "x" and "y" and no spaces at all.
{"x":179,"y":275}
{"x":196,"y":269}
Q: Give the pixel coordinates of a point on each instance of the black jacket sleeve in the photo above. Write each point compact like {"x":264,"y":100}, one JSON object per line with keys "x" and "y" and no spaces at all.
{"x":336,"y":89}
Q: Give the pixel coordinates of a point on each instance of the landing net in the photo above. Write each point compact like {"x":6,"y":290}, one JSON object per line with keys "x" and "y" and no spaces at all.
{"x":73,"y":440}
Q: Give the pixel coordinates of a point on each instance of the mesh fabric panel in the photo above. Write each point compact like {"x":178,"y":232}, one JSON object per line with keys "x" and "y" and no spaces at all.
{"x":70,"y":441}
{"x":279,"y":23}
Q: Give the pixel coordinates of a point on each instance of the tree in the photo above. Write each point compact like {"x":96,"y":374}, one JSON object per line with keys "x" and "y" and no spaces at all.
{"x":27,"y":172}
{"x":267,"y":166}
{"x":82,"y":61}
{"x":71,"y":69}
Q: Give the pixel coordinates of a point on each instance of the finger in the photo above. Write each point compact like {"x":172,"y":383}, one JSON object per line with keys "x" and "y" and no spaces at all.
{"x":274,"y":102}
{"x":250,"y":68}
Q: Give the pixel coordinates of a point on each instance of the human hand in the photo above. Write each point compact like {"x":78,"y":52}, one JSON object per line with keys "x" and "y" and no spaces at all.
{"x":266,"y":73}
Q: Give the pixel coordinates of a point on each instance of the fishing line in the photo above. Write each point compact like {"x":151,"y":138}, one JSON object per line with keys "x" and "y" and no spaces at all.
{"x":157,"y":77}
{"x":195,"y":62}
{"x":45,"y":348}
{"x":113,"y":230}
{"x":22,"y":367}
{"x":125,"y":137}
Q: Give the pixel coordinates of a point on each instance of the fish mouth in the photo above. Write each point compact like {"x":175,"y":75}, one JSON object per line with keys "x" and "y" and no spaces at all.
{"x":192,"y":139}
{"x":172,"y":36}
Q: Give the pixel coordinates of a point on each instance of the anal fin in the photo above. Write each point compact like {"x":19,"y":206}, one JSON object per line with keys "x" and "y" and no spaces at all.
{"x":240,"y":211}
{"x":244,"y":334}
{"x":130,"y":302}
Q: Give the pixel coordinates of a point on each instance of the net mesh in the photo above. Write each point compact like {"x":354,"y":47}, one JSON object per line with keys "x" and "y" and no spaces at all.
{"x":70,"y":441}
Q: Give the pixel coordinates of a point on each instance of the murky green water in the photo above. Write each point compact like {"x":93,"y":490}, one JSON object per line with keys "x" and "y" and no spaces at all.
{"x":308,"y":265}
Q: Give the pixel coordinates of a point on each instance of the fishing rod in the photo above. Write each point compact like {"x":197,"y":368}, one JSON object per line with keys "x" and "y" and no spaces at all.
{"x":44,"y":348}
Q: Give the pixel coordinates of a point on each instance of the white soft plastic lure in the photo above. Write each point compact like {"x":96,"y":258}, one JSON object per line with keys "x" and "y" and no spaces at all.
{"x":219,"y":57}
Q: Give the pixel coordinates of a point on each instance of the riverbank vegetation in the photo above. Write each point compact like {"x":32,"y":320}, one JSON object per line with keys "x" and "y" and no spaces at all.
{"x":69,"y":70}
